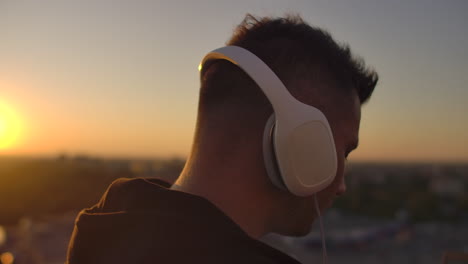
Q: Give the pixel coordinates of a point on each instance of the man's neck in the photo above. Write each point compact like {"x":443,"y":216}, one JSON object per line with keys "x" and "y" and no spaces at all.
{"x":230,"y":190}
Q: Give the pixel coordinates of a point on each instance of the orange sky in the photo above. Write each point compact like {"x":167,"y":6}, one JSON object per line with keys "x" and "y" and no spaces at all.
{"x":123,"y":82}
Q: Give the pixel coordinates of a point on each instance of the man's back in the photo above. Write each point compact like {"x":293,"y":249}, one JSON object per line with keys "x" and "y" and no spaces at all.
{"x":142,"y":221}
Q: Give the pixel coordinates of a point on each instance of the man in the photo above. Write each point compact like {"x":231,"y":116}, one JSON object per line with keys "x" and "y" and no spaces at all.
{"x":223,"y":200}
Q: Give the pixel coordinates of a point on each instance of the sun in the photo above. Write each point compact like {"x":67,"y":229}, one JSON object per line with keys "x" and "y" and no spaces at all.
{"x":9,"y":126}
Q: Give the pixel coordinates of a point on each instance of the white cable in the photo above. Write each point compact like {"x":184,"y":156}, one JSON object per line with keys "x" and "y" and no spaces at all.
{"x":322,"y":233}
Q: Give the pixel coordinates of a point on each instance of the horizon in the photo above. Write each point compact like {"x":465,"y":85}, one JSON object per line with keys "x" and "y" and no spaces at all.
{"x":77,"y":156}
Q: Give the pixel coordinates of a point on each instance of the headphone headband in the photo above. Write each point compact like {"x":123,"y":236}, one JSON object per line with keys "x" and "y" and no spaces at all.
{"x":265,"y":78}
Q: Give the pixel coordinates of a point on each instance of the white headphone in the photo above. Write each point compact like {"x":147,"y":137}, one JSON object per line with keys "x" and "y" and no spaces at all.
{"x":298,"y":146}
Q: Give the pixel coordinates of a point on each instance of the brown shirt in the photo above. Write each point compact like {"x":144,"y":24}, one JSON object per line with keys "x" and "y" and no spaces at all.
{"x":142,"y":221}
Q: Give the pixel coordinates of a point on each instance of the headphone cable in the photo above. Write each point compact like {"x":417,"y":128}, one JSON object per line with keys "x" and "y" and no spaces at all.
{"x":322,"y":232}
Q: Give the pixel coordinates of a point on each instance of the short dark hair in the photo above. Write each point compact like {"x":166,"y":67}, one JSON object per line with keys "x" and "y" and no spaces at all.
{"x":290,"y":47}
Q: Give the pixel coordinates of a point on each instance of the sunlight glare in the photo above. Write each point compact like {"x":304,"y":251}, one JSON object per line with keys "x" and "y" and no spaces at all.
{"x":9,"y":126}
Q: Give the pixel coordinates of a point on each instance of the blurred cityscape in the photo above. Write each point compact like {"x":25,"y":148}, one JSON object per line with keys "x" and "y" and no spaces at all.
{"x":391,"y":213}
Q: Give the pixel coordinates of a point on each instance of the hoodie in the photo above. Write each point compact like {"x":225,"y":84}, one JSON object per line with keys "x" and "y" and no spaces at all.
{"x":143,"y":221}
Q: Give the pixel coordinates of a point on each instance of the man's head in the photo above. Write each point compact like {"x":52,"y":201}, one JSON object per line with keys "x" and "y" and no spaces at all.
{"x":233,"y":110}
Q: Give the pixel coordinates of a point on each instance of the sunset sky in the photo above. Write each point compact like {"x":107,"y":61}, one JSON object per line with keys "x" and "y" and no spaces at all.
{"x":120,"y":79}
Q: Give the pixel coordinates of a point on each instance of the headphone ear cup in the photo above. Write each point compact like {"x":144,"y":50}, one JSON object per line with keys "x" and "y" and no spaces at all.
{"x":269,"y":154}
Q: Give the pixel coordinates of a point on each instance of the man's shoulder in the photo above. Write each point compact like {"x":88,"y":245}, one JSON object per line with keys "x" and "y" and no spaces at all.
{"x":142,"y":221}
{"x":123,"y":192}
